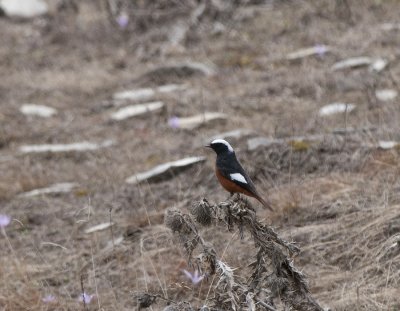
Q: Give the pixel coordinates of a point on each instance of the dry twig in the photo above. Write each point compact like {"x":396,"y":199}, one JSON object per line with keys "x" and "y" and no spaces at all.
{"x":274,"y":275}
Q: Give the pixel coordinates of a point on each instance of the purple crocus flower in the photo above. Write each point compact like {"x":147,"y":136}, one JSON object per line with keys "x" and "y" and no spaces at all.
{"x":4,"y":220}
{"x":86,"y":298}
{"x":174,"y":122}
{"x":320,"y":49}
{"x":195,"y":278}
{"x":123,"y":20}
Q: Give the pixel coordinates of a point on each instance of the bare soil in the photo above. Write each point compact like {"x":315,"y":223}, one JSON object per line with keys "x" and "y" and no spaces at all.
{"x":338,"y":198}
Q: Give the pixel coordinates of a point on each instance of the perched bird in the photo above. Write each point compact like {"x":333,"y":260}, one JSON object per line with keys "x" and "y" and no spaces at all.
{"x":230,"y":172}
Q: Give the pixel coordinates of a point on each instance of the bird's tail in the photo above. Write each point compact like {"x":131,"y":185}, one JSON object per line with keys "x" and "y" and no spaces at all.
{"x":264,"y":203}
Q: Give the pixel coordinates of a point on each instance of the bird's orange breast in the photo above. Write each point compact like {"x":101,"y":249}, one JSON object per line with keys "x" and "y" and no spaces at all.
{"x":230,"y":186}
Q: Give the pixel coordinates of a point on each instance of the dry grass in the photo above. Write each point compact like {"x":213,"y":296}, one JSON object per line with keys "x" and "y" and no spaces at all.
{"x":338,"y":198}
{"x":272,"y":274}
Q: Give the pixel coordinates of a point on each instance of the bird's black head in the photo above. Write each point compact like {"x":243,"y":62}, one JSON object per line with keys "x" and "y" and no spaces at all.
{"x":220,"y":146}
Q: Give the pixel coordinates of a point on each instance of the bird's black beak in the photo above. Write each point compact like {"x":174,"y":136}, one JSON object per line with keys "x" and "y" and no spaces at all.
{"x":207,"y":146}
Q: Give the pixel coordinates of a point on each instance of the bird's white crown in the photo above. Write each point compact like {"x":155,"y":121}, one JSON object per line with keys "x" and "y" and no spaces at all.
{"x":224,"y":142}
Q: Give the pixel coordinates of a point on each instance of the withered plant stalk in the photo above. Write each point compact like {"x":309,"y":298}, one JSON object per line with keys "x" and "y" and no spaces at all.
{"x":274,"y":281}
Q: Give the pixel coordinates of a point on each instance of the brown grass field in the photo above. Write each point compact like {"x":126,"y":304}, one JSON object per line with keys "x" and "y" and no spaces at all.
{"x":338,"y":197}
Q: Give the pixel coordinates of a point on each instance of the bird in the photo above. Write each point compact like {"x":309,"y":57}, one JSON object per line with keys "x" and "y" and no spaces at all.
{"x":230,"y":173}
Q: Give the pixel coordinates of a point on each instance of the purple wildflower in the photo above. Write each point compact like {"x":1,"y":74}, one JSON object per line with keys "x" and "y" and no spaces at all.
{"x":86,"y":298}
{"x":174,"y":122}
{"x":123,"y":20}
{"x":320,"y":49}
{"x":195,"y":278}
{"x":4,"y":220}
{"x":49,"y":298}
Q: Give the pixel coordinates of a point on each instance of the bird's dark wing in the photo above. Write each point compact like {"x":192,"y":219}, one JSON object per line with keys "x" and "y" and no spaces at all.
{"x":230,"y":168}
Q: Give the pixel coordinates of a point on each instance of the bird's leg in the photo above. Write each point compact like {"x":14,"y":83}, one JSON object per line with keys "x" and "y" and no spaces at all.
{"x":233,"y":197}
{"x":238,"y":198}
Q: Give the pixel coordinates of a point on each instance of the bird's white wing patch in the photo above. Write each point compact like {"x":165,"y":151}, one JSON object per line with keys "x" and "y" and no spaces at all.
{"x":238,"y":177}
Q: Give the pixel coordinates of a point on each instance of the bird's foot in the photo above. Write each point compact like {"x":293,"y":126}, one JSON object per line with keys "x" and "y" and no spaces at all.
{"x":235,"y":197}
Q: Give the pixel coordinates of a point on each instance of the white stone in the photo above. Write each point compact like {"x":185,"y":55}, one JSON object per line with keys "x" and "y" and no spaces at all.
{"x":146,"y":93}
{"x":352,"y":62}
{"x":335,"y":108}
{"x":177,"y":33}
{"x":56,"y":188}
{"x":163,"y":170}
{"x":197,"y":120}
{"x":38,"y":110}
{"x":138,"y":94}
{"x":99,"y":227}
{"x":114,"y":242}
{"x":378,"y":65}
{"x":383,"y":144}
{"x":168,"y":88}
{"x":306,"y":52}
{"x":24,"y":8}
{"x":390,"y":26}
{"x":136,"y":110}
{"x":82,"y":146}
{"x":386,"y":94}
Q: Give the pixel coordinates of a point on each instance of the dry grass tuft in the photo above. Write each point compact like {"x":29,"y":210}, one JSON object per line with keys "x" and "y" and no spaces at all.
{"x":273,"y":276}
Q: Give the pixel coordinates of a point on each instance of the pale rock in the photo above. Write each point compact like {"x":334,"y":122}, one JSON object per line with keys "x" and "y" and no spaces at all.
{"x":390,"y":26}
{"x":386,"y":94}
{"x":136,"y":110}
{"x":197,"y":120}
{"x":375,"y":64}
{"x":79,"y":147}
{"x":378,"y":65}
{"x":165,"y":170}
{"x":352,"y":63}
{"x":24,"y":8}
{"x":138,"y":94}
{"x":178,"y":33}
{"x":168,"y":88}
{"x":306,"y":52}
{"x":383,"y":144}
{"x":38,"y":110}
{"x":53,"y":189}
{"x":146,"y":93}
{"x":115,"y":242}
{"x":336,"y":108}
{"x":99,"y":227}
